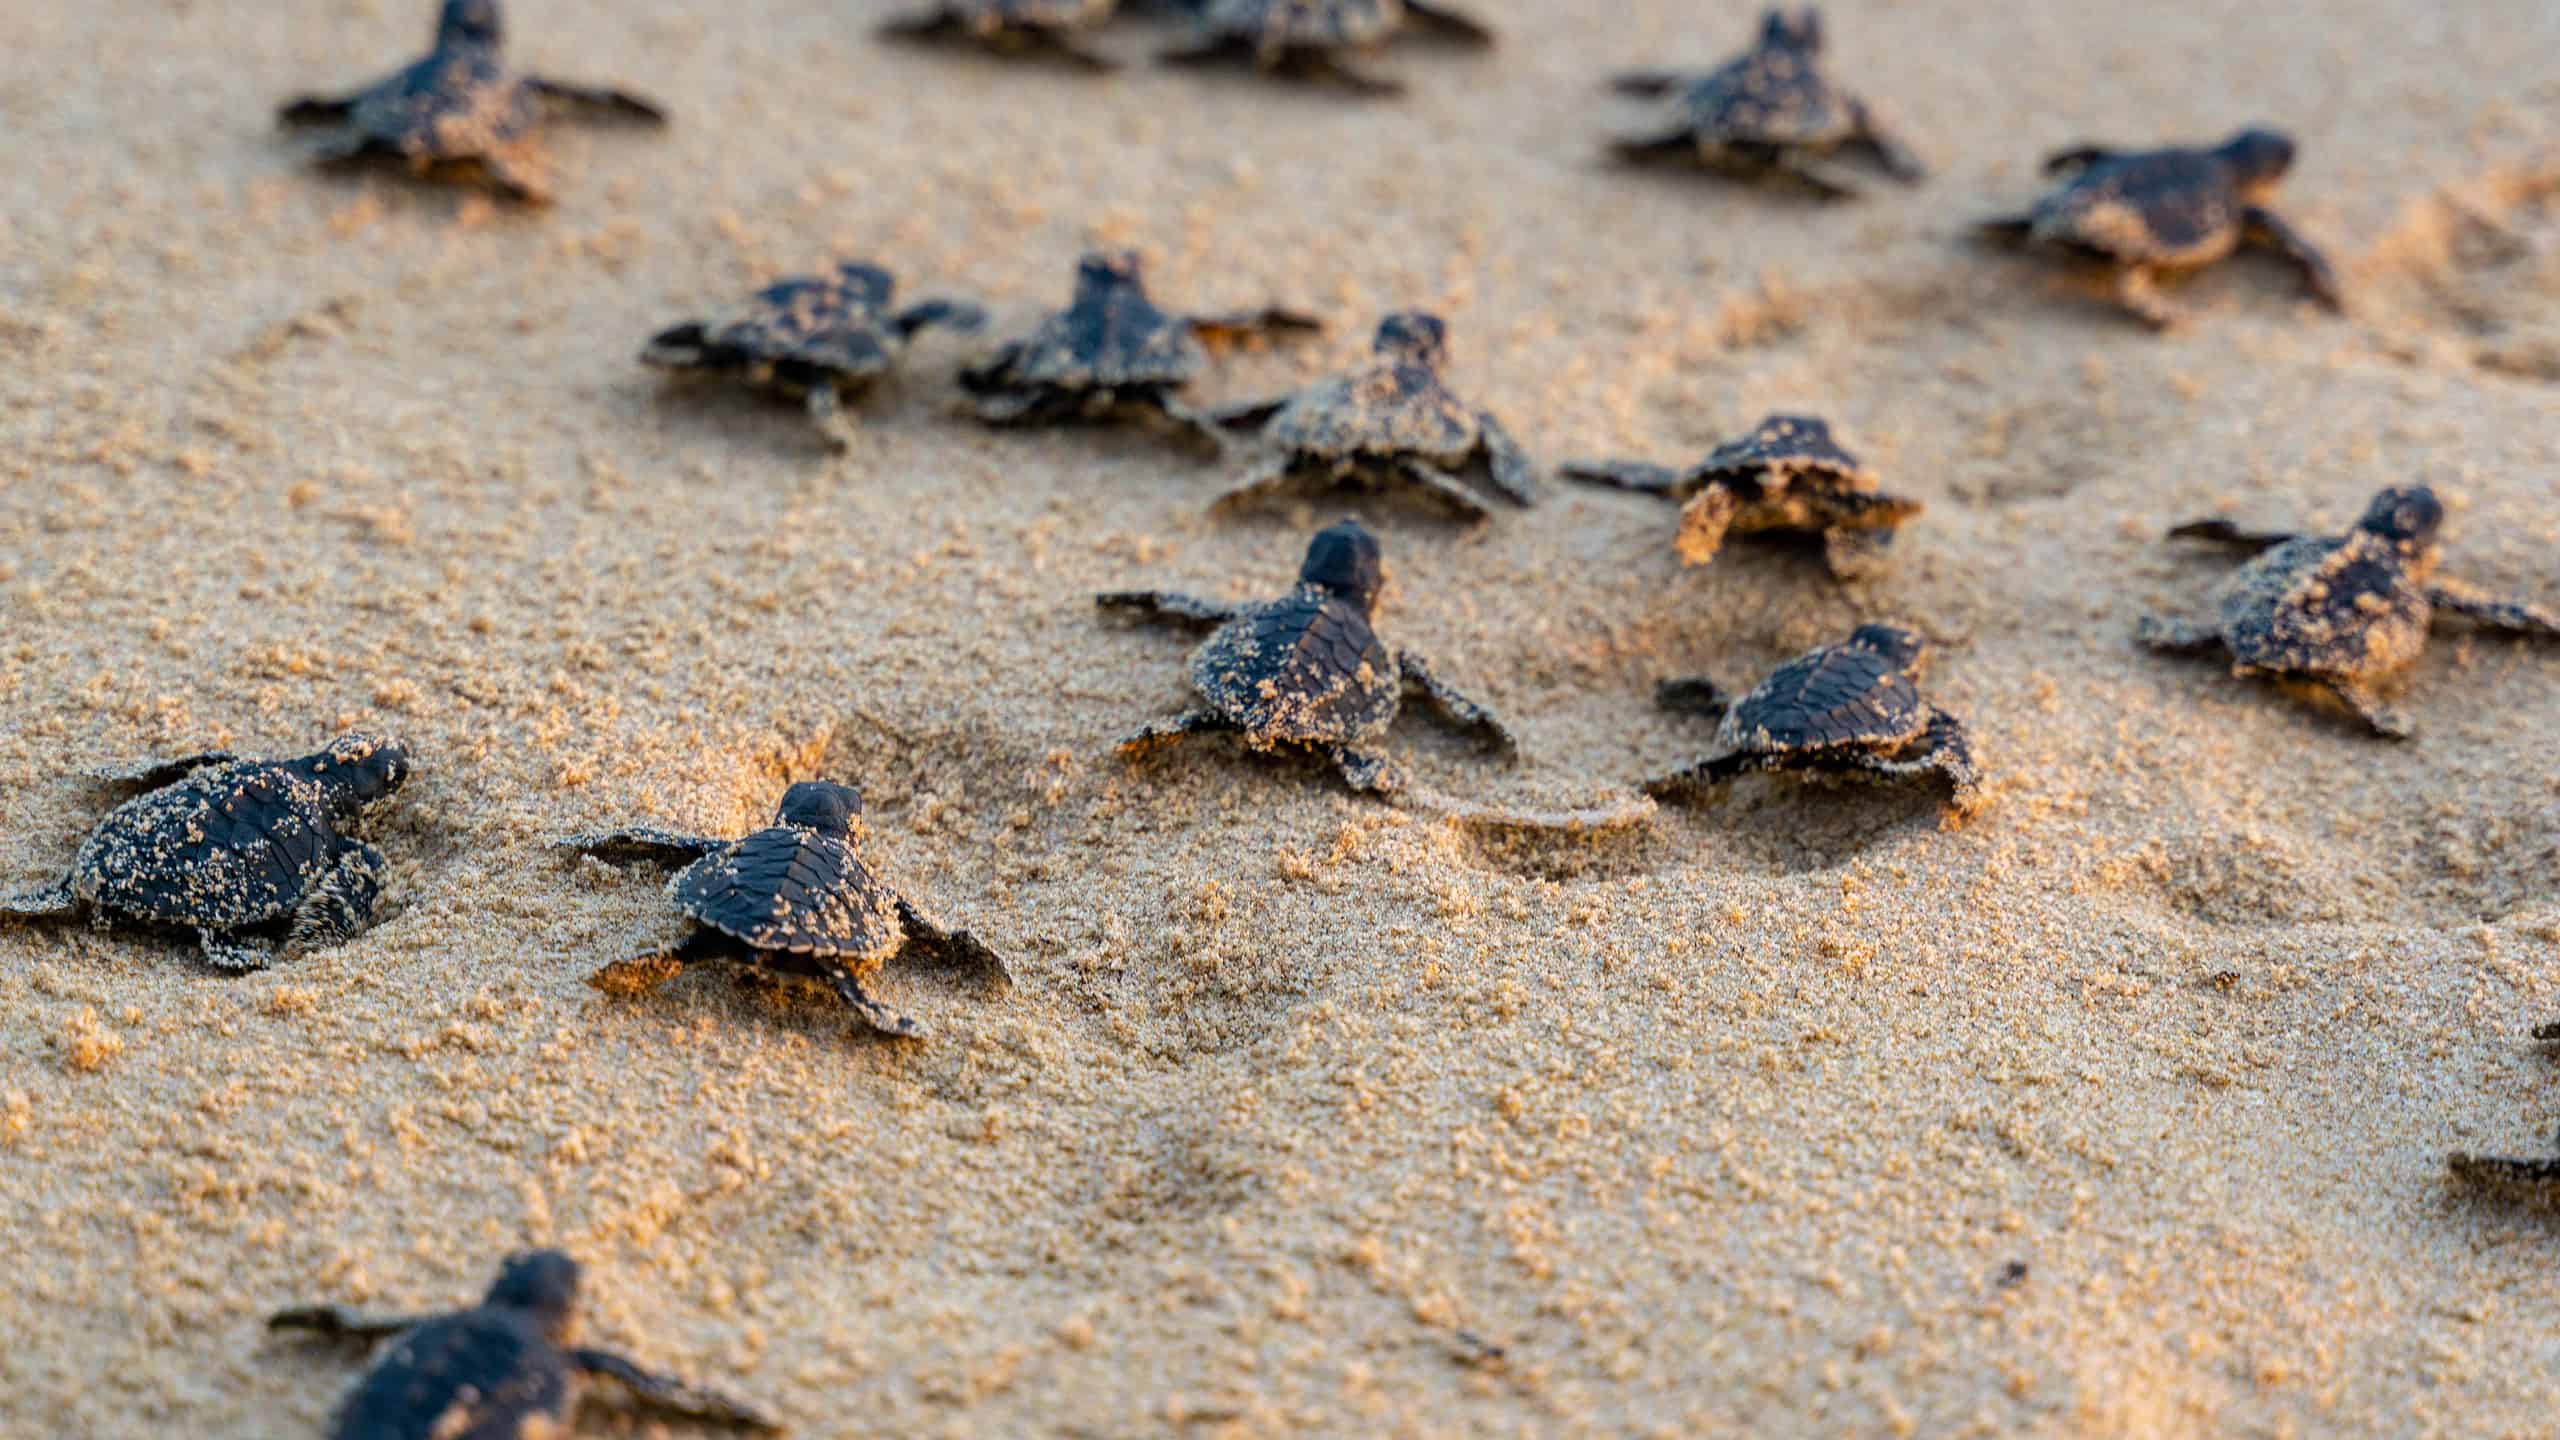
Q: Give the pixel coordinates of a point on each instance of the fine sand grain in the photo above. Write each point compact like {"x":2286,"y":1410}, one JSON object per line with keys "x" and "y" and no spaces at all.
{"x":2121,"y":1110}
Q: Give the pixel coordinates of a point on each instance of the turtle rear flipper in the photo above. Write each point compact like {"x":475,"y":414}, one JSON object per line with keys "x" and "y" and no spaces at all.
{"x":1630,"y":475}
{"x":672,"y":1396}
{"x":55,"y":902}
{"x":342,"y":906}
{"x":640,"y":843}
{"x":2481,"y":608}
{"x":2378,"y":716}
{"x":152,"y":774}
{"x":592,"y":102}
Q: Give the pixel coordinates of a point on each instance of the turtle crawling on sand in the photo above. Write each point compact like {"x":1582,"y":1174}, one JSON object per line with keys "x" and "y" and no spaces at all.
{"x":1851,"y":708}
{"x":508,"y":1368}
{"x":460,"y":111}
{"x":1305,"y":672}
{"x":1307,"y":39}
{"x":256,"y":857}
{"x":1788,"y":474}
{"x":1768,"y":111}
{"x":2143,"y":212}
{"x":814,"y":338}
{"x":1112,"y":353}
{"x":794,"y":898}
{"x":1051,"y":28}
{"x":1392,"y":423}
{"x":2341,"y":616}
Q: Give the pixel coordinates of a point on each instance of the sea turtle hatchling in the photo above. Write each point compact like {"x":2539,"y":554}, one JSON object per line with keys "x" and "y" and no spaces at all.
{"x":2144,"y":212}
{"x":1393,"y":422}
{"x":815,"y":338}
{"x":256,"y":857}
{"x":1305,"y":672}
{"x":1851,"y":708}
{"x":795,"y":898}
{"x":1307,"y":39}
{"x":1052,"y":28}
{"x":508,"y":1368}
{"x":2339,"y":616}
{"x":459,"y":110}
{"x":1112,"y":353}
{"x":1788,"y":474}
{"x":1768,"y":111}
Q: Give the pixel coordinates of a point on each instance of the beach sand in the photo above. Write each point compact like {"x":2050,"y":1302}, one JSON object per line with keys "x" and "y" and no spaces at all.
{"x":2120,"y":1110}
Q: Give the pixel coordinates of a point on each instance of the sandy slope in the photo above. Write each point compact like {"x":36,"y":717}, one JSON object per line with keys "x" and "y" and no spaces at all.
{"x":1738,"y":1124}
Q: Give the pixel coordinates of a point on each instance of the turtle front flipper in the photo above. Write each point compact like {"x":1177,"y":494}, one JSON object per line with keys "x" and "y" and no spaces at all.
{"x":1251,"y":415}
{"x":55,"y":902}
{"x":518,"y":172}
{"x":1228,"y":328}
{"x":2006,"y":229}
{"x":1630,"y":475}
{"x":1810,"y":175}
{"x":342,"y":906}
{"x":1209,"y":50}
{"x":1661,"y":147}
{"x":2223,"y":532}
{"x":235,"y":952}
{"x":2498,"y":1174}
{"x":657,"y":847}
{"x":2379,"y":717}
{"x":1441,"y":485}
{"x":2138,"y":294}
{"x":886,"y":1019}
{"x":1170,"y":606}
{"x":2175,"y":637}
{"x":1649,"y":84}
{"x":1454,"y":26}
{"x":679,"y":347}
{"x":1164,"y":732}
{"x":592,"y":102}
{"x":1693,"y":695}
{"x":337,"y":1322}
{"x":2077,"y":157}
{"x":1271,"y":476}
{"x":825,"y":405}
{"x":317,"y":110}
{"x":2455,"y":597}
{"x":1192,"y":424}
{"x":2265,"y":227}
{"x":1707,"y":774}
{"x":1942,"y":749}
{"x":963,"y":316}
{"x":1454,"y":706}
{"x":1851,"y":553}
{"x":1881,"y":144}
{"x":152,"y":774}
{"x":1704,"y":521}
{"x":955,"y":946}
{"x":1514,"y":476}
{"x":1365,"y":773}
{"x":672,"y":1396}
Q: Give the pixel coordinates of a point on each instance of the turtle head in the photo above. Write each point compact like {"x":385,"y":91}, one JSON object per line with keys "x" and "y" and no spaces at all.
{"x":1801,"y":31}
{"x":1343,"y":561}
{"x":2407,"y":517}
{"x":2258,"y":157}
{"x":468,"y":23}
{"x":818,"y":805}
{"x":1106,"y":272}
{"x":541,"y":1284}
{"x":1901,"y":647}
{"x":364,"y":767}
{"x":1413,"y":337}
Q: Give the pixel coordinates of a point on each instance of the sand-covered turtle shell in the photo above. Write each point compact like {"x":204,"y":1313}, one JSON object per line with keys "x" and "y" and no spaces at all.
{"x":839,"y":323}
{"x":2164,"y":207}
{"x":485,"y":1372}
{"x":228,"y":847}
{"x":455,"y":103}
{"x":1847,"y":696}
{"x":793,"y":889}
{"x":1116,"y":339}
{"x":2344,"y":606}
{"x":1772,"y":95}
{"x":1275,"y":25}
{"x":1392,"y":409}
{"x":1780,"y":450}
{"x":1304,"y":669}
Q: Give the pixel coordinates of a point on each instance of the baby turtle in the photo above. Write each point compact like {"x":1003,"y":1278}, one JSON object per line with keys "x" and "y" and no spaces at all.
{"x":460,"y":111}
{"x":1788,"y":474}
{"x":1307,"y":39}
{"x":2339,"y":616}
{"x":794,"y":897}
{"x":1305,"y":672}
{"x":1768,"y":111}
{"x":814,"y":338}
{"x":508,"y":1368}
{"x":2143,"y":212}
{"x":1112,"y":353}
{"x":1050,"y":28}
{"x":1392,"y":422}
{"x":253,"y":856}
{"x":1850,"y":708}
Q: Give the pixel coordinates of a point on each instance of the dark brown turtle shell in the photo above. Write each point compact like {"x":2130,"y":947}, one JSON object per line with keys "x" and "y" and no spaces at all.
{"x":794,"y":889}
{"x":1860,"y":694}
